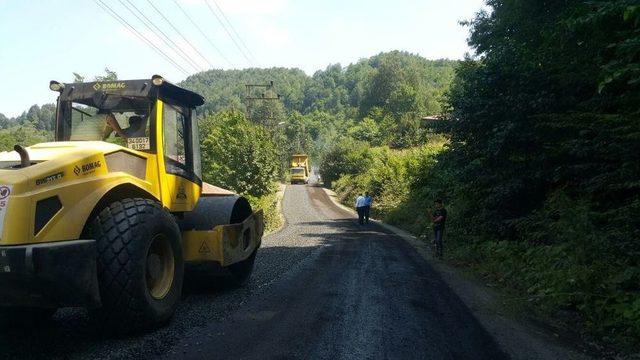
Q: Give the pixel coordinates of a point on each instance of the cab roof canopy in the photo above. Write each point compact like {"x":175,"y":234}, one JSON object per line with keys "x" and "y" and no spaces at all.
{"x":164,"y":91}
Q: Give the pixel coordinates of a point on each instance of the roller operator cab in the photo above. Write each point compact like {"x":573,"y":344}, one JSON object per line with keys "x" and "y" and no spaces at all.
{"x":109,"y":215}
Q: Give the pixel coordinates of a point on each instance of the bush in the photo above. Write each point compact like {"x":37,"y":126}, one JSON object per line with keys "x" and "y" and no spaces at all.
{"x":347,"y":156}
{"x":385,"y":179}
{"x":238,"y":155}
{"x":390,"y":178}
{"x":269,"y":205}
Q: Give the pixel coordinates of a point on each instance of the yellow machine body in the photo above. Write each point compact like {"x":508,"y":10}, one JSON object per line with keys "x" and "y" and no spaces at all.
{"x":300,"y":169}
{"x":51,"y":192}
{"x":82,"y":173}
{"x":224,"y":245}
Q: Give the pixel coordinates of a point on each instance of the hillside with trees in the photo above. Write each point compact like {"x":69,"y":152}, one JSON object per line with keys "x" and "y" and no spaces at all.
{"x":545,"y":146}
{"x":32,"y":126}
{"x":380,"y":100}
{"x":396,"y":81}
{"x":376,"y":101}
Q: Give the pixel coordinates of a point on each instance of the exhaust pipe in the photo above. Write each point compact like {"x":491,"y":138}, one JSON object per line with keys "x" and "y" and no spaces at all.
{"x":24,"y":156}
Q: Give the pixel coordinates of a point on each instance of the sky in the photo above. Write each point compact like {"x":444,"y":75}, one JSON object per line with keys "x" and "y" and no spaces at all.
{"x":41,"y":40}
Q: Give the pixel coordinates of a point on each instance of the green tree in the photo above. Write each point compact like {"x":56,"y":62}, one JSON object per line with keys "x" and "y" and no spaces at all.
{"x":544,"y":146}
{"x":348,"y":156}
{"x":4,"y":121}
{"x":367,"y":130}
{"x":237,"y":154}
{"x":78,"y":78}
{"x":109,"y":75}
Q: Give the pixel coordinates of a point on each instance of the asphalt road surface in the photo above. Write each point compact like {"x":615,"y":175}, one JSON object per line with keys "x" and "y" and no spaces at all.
{"x":323,"y":288}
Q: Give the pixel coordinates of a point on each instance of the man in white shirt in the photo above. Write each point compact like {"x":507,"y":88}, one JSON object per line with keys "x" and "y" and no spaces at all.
{"x":360,"y":207}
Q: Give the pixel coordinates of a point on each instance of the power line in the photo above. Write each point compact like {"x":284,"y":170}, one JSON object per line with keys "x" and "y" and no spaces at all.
{"x":202,"y":32}
{"x":180,"y":33}
{"x":226,"y":29}
{"x":166,"y":39}
{"x":133,"y":30}
{"x":140,"y":36}
{"x":234,"y":30}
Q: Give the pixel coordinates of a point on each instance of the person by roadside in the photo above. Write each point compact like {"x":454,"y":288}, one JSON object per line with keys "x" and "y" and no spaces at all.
{"x":439,"y":218}
{"x":367,"y":206}
{"x":360,"y":205}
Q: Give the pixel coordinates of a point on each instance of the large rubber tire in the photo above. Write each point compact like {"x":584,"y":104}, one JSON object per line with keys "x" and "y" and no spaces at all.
{"x":139,"y":252}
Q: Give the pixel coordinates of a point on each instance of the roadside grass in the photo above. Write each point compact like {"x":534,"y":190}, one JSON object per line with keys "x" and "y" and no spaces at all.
{"x":270,"y":205}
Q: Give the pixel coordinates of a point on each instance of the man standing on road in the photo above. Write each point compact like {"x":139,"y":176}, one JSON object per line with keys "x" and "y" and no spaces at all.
{"x":367,"y":206}
{"x":439,"y":217}
{"x":360,"y":205}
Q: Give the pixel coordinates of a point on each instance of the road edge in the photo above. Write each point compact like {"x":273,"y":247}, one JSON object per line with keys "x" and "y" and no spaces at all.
{"x":518,"y":338}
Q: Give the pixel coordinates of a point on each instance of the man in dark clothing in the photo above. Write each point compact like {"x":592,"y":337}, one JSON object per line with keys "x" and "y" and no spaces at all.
{"x":137,"y":126}
{"x":367,"y":206}
{"x":439,"y":218}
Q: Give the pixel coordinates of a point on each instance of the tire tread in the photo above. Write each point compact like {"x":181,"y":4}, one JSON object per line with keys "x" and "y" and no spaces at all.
{"x":114,"y":229}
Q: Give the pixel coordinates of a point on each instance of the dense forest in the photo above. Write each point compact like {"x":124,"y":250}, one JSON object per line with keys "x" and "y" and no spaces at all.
{"x":384,"y":95}
{"x":533,"y":143}
{"x":544,"y":156}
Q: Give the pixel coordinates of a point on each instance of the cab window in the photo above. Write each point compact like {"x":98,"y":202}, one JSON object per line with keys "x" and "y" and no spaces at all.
{"x":175,"y":140}
{"x":125,"y":121}
{"x":195,"y":141}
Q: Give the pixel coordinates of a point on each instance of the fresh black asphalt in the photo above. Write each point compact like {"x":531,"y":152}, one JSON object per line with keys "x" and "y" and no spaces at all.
{"x":323,"y":288}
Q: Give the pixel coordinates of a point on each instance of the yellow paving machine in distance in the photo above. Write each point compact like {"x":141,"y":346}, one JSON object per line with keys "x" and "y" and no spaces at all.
{"x":300,"y":169}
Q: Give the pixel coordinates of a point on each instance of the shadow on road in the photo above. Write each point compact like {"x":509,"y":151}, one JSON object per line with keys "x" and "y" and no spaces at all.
{"x":344,"y":289}
{"x":72,"y":333}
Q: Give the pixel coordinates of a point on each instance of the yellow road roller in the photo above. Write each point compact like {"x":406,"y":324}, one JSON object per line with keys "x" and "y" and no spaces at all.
{"x":108,"y":215}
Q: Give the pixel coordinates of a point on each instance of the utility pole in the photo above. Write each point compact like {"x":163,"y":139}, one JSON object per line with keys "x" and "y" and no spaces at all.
{"x":260,"y":93}
{"x":264,"y":94}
